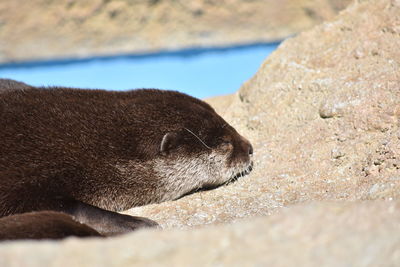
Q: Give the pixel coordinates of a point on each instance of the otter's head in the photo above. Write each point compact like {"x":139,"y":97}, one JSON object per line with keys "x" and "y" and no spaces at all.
{"x":198,"y":149}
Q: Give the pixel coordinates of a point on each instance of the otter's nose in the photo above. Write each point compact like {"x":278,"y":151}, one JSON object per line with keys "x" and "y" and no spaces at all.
{"x":250,"y":150}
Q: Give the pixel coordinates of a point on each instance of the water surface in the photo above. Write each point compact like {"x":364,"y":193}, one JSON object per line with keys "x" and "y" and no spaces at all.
{"x":199,"y":72}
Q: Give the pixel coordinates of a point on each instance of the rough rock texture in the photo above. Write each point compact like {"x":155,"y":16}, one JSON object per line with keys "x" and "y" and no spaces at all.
{"x":42,"y":29}
{"x":323,"y":234}
{"x":323,"y":115}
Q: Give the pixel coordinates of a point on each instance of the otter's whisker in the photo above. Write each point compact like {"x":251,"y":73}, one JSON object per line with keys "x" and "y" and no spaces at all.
{"x":197,"y":137}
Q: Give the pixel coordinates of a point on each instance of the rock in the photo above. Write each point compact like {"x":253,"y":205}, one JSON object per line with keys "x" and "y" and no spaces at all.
{"x":69,"y":28}
{"x":220,"y":103}
{"x":319,"y":234}
{"x":300,"y":157}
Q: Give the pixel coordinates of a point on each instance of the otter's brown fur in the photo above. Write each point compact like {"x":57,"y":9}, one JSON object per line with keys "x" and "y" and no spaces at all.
{"x":43,"y":225}
{"x":90,"y":152}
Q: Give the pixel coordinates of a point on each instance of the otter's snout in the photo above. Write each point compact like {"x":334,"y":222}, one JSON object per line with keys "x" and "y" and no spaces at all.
{"x":250,"y":149}
{"x":243,"y":152}
{"x":246,"y":146}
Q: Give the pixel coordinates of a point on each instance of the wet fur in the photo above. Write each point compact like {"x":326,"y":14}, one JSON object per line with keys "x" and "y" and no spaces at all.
{"x":90,"y":152}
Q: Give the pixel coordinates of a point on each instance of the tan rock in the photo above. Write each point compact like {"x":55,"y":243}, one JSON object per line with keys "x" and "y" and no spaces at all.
{"x":40,"y":29}
{"x":220,"y":103}
{"x":323,"y":115}
{"x":323,"y":234}
{"x":324,"y":124}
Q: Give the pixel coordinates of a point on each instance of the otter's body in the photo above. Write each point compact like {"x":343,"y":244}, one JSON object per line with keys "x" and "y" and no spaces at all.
{"x":89,"y":152}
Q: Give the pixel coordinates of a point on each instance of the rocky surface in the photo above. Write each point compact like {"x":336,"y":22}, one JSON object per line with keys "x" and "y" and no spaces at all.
{"x":41,"y":29}
{"x":323,"y":115}
{"x":320,"y":234}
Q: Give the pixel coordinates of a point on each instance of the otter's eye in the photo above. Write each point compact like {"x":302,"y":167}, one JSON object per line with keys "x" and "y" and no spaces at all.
{"x":226,"y":145}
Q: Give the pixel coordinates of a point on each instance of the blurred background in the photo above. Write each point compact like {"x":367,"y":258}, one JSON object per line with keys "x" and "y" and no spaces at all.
{"x":201,"y":47}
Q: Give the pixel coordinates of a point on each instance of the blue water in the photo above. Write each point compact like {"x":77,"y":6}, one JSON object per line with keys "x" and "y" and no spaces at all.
{"x":199,"y":72}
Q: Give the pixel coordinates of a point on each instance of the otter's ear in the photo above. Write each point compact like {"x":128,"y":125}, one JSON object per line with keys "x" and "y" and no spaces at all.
{"x":169,"y":141}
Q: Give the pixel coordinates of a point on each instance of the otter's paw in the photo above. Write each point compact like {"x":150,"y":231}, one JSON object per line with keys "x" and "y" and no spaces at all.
{"x":125,"y":224}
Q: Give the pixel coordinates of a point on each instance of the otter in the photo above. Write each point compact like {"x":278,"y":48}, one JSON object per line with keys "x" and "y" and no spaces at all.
{"x":88,"y":154}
